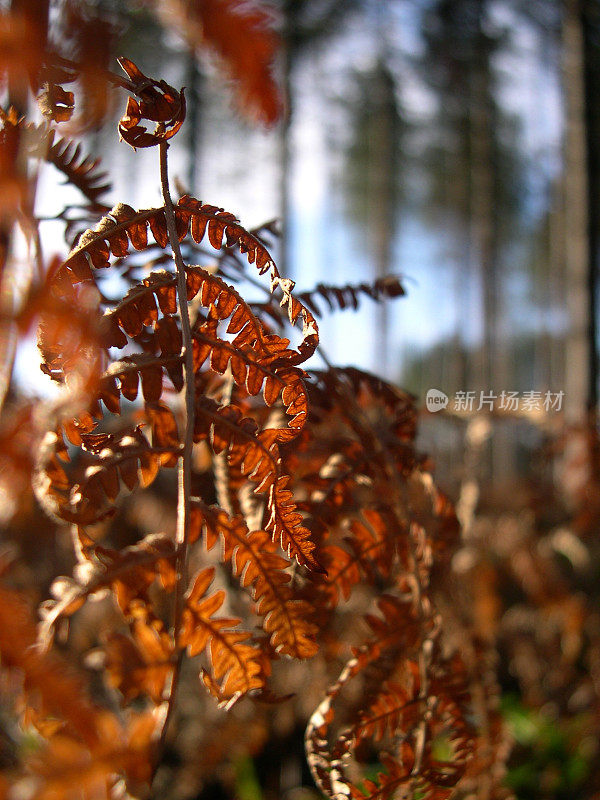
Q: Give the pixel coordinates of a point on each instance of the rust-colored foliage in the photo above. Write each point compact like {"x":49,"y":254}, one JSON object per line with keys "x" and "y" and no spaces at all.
{"x":234,"y":661}
{"x":256,"y":562}
{"x":158,"y":102}
{"x":242,"y":36}
{"x":304,"y":519}
{"x":84,"y":745}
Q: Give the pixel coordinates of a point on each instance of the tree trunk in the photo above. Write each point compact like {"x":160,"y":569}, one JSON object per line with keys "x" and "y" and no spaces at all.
{"x":285,"y":155}
{"x":381,"y":205}
{"x":194,"y":121}
{"x":573,"y":473}
{"x":591,"y":55}
{"x":577,"y":253}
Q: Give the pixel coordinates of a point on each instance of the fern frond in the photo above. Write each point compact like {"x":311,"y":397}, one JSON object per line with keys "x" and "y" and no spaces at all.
{"x":235,"y":664}
{"x":70,"y":336}
{"x":428,"y":701}
{"x":348,"y":296}
{"x":124,"y":459}
{"x":142,"y":368}
{"x":387,"y":712}
{"x":139,"y":665}
{"x":242,"y":37}
{"x":80,"y":170}
{"x":258,"y":454}
{"x":257,"y":564}
{"x":128,"y":572}
{"x":67,"y":767}
{"x":60,"y":692}
{"x":373,"y":540}
{"x":253,"y":354}
{"x":124,"y":228}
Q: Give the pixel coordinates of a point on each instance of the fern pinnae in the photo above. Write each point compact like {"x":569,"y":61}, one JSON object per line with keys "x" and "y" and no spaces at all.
{"x":235,"y":661}
{"x":257,"y":564}
{"x":348,"y":295}
{"x":124,"y":226}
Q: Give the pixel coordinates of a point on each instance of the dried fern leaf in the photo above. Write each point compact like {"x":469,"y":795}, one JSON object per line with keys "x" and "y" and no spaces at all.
{"x":242,"y":36}
{"x":411,"y":715}
{"x":348,"y":296}
{"x":124,"y":227}
{"x":128,"y":573}
{"x":255,"y":560}
{"x":61,"y":693}
{"x":80,"y":170}
{"x":235,"y":665}
{"x":257,"y":451}
{"x":117,"y":462}
{"x":141,"y":664}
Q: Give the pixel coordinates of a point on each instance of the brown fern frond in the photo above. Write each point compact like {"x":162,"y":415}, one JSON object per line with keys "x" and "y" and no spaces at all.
{"x":165,"y":433}
{"x":67,"y":768}
{"x":375,"y":537}
{"x":397,"y":631}
{"x":138,"y":307}
{"x":348,"y":296}
{"x":128,"y":572}
{"x":258,"y":454}
{"x":397,"y":425}
{"x":255,"y":560}
{"x":374,"y":540}
{"x":242,"y":36}
{"x":80,"y":170}
{"x":125,"y":376}
{"x":70,"y":337}
{"x":235,"y":664}
{"x":123,"y":460}
{"x":387,"y":712}
{"x":256,"y":358}
{"x":139,"y":665}
{"x":435,"y":513}
{"x":124,"y":227}
{"x":158,"y":102}
{"x":409,"y":715}
{"x":60,"y":691}
{"x":343,"y":573}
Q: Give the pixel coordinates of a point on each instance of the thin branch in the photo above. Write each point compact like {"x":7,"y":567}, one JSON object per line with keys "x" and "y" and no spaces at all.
{"x":185,"y":462}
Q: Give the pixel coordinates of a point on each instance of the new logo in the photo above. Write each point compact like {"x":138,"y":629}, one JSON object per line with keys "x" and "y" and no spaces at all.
{"x":435,"y":400}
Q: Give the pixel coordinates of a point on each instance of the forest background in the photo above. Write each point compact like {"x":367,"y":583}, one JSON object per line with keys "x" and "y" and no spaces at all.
{"x":454,"y":144}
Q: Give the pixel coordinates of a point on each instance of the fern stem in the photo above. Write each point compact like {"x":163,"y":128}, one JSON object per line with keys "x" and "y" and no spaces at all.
{"x":185,"y":462}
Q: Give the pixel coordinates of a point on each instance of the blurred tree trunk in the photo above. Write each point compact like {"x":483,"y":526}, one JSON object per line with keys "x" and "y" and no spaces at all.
{"x":591,"y":50}
{"x":372,"y":180}
{"x":288,"y":59}
{"x":382,"y":199}
{"x":305,"y":24}
{"x":482,"y":124}
{"x":474,"y":182}
{"x":576,"y":218}
{"x":485,"y":213}
{"x":194,"y":121}
{"x":456,"y":189}
{"x":573,"y":473}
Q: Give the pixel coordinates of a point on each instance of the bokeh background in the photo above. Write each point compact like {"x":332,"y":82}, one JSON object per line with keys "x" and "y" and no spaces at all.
{"x":452,"y":142}
{"x":455,"y":143}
